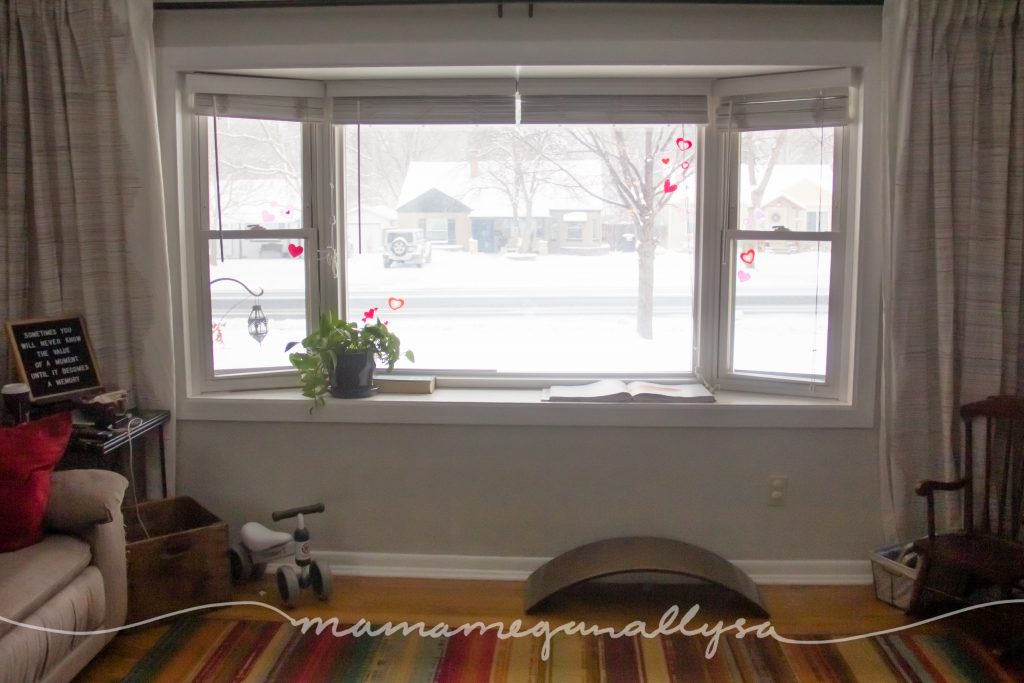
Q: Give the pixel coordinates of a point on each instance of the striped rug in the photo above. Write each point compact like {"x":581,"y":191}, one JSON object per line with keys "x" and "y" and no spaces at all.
{"x":197,"y":649}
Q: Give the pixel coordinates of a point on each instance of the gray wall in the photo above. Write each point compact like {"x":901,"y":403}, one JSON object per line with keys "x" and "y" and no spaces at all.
{"x":534,"y":492}
{"x":514,"y":491}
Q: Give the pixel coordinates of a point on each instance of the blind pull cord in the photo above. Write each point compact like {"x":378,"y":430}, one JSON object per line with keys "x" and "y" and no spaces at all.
{"x":728,"y":186}
{"x":821,"y":192}
{"x":359,"y":173}
{"x":330,"y":142}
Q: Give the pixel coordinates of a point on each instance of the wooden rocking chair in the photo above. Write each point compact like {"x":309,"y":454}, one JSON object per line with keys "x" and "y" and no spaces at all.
{"x":986,"y":557}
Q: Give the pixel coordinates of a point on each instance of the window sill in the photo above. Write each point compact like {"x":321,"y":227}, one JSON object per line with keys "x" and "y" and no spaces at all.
{"x":523,"y":407}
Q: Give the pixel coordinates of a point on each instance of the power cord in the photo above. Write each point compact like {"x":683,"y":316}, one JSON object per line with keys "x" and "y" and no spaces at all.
{"x":132,"y":423}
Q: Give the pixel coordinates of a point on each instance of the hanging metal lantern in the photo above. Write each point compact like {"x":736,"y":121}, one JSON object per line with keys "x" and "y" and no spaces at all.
{"x":258,"y":325}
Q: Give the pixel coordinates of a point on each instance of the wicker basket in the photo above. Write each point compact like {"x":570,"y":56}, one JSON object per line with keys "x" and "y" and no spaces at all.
{"x":894,"y":580}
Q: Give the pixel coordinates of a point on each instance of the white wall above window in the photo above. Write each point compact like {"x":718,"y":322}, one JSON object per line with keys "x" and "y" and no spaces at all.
{"x":568,"y":36}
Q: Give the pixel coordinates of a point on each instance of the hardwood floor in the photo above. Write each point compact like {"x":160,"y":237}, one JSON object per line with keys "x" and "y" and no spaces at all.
{"x":795,"y":610}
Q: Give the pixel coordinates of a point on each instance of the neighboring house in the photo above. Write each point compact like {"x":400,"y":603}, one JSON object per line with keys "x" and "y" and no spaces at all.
{"x":458,"y":201}
{"x":444,"y":219}
{"x":796,"y":197}
{"x":803,"y":206}
{"x":577,"y":231}
{"x":365,"y":229}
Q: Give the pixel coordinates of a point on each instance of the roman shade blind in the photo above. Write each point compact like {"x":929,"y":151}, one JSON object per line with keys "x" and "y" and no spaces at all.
{"x":812,"y":109}
{"x":543,"y":109}
{"x":244,"y":97}
{"x":453,"y":101}
{"x":267,"y":107}
{"x":612,"y":109}
{"x":425,"y":109}
{"x":423,"y":101}
{"x":543,"y":101}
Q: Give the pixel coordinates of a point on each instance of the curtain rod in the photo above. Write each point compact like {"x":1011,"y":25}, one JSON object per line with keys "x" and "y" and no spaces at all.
{"x":254,"y":4}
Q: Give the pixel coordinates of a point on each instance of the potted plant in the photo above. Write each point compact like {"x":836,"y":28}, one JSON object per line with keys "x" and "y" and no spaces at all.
{"x":340,"y":356}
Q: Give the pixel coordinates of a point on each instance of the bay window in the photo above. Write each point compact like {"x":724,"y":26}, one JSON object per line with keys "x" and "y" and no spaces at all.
{"x":525,"y":232}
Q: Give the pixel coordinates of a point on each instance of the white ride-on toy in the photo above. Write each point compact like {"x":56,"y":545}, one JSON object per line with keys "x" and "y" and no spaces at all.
{"x":260,"y":545}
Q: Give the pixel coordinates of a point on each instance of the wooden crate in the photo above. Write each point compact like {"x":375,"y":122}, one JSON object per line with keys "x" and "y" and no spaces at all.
{"x":183,"y":563}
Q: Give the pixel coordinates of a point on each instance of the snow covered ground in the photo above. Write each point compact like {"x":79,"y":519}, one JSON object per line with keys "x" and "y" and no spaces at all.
{"x":556,"y":313}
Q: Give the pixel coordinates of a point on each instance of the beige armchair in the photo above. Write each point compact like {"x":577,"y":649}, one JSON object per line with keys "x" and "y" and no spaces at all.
{"x":74,"y":580}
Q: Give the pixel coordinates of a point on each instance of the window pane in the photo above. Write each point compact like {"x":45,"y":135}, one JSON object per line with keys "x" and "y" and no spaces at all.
{"x":785,"y":180}
{"x":527,"y":248}
{"x":266,"y":265}
{"x":780,"y":316}
{"x":260,"y":174}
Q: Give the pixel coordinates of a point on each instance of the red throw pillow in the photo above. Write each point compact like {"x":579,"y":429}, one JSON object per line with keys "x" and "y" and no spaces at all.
{"x":28,"y":453}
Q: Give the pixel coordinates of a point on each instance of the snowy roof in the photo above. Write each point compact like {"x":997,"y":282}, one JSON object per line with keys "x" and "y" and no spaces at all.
{"x":433,"y":201}
{"x":806,"y":185}
{"x":805,"y":195}
{"x":482,"y":192}
{"x":376,"y":212}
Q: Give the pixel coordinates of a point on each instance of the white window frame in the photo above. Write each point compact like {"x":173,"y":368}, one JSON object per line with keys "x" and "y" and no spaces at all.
{"x":728,"y":378}
{"x":198,"y":233}
{"x":624,"y":87}
{"x":838,"y":380}
{"x":323,"y":198}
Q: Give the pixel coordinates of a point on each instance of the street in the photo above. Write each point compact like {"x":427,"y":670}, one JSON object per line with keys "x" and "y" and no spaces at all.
{"x":484,"y":311}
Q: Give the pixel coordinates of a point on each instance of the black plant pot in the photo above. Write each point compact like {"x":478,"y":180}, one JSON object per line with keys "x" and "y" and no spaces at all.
{"x":353,"y":377}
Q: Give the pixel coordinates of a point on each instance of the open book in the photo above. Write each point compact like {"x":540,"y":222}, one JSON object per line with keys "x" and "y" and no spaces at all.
{"x":615,"y":391}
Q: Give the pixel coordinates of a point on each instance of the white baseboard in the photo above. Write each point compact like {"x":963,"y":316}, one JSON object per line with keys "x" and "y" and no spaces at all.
{"x":480,"y":567}
{"x":808,"y":572}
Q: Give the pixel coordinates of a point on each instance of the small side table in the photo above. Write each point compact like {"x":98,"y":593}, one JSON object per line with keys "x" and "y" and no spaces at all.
{"x":104,"y":446}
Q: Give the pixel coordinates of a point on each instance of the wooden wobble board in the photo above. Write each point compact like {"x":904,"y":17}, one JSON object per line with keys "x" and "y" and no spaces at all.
{"x":630,"y":554}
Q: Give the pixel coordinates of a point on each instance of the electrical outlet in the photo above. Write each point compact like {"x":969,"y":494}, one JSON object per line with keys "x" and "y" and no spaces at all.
{"x":778,"y":487}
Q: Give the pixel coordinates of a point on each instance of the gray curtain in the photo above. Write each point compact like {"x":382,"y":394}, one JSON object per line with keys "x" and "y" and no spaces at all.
{"x":952,"y":310}
{"x":81,"y":206}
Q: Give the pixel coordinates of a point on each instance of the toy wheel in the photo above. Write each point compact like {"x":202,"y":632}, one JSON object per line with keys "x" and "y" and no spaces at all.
{"x":287,"y":585}
{"x":258,"y":570}
{"x":321,"y":577}
{"x":241,"y":565}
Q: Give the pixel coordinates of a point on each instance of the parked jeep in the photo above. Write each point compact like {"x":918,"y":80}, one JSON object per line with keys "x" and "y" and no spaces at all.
{"x":406,"y":246}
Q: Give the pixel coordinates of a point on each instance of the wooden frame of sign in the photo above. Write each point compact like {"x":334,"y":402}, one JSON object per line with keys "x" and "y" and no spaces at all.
{"x":54,"y":357}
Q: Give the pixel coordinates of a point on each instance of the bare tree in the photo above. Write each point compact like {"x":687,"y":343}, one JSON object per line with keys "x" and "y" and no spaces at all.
{"x":260,"y":163}
{"x":760,"y":153}
{"x":639,"y":182}
{"x":386,"y":154}
{"x":519,"y":166}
